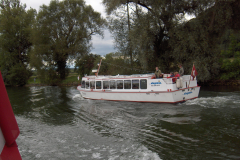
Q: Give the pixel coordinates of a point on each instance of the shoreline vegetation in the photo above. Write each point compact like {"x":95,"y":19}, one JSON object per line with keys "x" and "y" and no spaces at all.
{"x":44,"y":45}
{"x":72,"y":80}
{"x":210,"y":83}
{"x":220,"y":83}
{"x":60,"y":84}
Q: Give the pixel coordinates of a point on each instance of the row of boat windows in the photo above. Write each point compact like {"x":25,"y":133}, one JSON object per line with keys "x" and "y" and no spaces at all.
{"x":116,"y":84}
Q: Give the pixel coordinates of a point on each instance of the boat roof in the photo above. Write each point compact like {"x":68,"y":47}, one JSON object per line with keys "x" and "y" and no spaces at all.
{"x":100,"y":77}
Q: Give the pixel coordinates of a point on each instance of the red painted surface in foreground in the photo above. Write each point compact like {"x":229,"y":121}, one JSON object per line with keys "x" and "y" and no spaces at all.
{"x":10,"y":153}
{"x":8,"y":125}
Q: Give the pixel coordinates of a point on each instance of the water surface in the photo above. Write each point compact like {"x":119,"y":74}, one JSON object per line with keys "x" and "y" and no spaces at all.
{"x":57,"y":123}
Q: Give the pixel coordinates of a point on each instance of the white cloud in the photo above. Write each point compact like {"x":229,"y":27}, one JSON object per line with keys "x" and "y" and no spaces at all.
{"x":35,"y":4}
{"x":97,"y":6}
{"x":103,"y":46}
{"x":108,"y":40}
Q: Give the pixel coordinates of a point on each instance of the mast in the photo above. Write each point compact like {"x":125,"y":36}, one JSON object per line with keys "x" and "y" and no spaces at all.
{"x":99,"y":67}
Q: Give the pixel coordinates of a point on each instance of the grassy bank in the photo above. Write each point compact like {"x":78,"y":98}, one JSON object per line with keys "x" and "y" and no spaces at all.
{"x":71,"y":80}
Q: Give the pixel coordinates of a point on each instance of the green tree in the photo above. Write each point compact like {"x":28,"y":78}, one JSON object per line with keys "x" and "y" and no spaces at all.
{"x":86,"y":64}
{"x":161,"y":36}
{"x":15,"y":44}
{"x":151,"y":25}
{"x":231,"y":58}
{"x":63,"y":31}
{"x":115,"y":63}
{"x":201,"y":39}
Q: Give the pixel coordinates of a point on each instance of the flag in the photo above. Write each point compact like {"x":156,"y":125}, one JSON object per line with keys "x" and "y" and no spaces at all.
{"x":8,"y":125}
{"x":194,"y":72}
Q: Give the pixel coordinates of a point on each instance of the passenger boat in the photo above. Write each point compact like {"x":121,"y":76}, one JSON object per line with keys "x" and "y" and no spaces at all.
{"x":139,"y":88}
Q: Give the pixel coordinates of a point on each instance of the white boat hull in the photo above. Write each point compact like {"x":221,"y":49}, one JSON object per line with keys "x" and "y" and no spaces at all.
{"x":157,"y":97}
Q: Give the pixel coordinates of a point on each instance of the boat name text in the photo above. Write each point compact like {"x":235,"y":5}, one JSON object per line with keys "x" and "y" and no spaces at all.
{"x":187,"y":93}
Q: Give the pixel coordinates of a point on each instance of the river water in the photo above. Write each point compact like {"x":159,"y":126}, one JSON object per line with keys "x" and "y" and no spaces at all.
{"x":57,"y":123}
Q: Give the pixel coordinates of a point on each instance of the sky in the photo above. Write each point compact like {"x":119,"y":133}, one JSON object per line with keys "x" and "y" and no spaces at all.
{"x":100,"y":46}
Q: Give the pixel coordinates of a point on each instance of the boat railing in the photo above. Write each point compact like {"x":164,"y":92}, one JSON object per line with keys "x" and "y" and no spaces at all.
{"x":186,"y":78}
{"x":119,"y":76}
{"x":167,"y":79}
{"x":171,"y":80}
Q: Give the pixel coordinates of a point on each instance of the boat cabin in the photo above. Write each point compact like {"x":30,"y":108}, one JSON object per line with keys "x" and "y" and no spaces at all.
{"x":139,"y":83}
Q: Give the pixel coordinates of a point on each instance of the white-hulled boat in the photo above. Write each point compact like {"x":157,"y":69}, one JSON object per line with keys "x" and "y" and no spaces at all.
{"x":139,"y":88}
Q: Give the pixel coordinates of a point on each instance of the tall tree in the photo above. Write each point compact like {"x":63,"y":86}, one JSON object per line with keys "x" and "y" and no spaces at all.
{"x":15,"y":44}
{"x":63,"y":31}
{"x":152,"y":22}
{"x":120,"y":27}
{"x":201,"y":39}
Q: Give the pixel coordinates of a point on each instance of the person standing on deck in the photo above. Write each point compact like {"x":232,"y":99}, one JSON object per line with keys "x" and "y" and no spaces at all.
{"x":158,"y":73}
{"x":181,"y":70}
{"x":171,"y":74}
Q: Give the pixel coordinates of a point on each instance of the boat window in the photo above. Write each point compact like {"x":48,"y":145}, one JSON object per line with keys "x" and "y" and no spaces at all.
{"x":83,"y":84}
{"x":112,"y":85}
{"x":135,"y":84}
{"x":105,"y":84}
{"x":127,"y":84}
{"x":119,"y":84}
{"x":92,"y":84}
{"x":143,"y":83}
{"x":87,"y":84}
{"x":98,"y":85}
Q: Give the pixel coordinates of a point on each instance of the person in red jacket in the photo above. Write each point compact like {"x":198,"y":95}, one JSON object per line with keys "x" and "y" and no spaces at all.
{"x":177,"y":74}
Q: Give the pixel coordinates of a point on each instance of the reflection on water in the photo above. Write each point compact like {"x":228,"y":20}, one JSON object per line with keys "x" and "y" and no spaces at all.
{"x":57,"y":123}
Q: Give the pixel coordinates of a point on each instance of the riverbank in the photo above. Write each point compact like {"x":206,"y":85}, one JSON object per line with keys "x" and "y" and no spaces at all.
{"x":71,"y":80}
{"x":210,"y":83}
{"x":60,"y":84}
{"x":220,"y":83}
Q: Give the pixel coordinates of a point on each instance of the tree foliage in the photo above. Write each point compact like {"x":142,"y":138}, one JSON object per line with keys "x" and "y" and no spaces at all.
{"x":147,"y":33}
{"x":85,"y":64}
{"x":115,"y":63}
{"x":201,"y":39}
{"x":151,"y":24}
{"x":230,"y":61}
{"x":161,"y":36}
{"x":63,"y":31}
{"x":15,"y":44}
